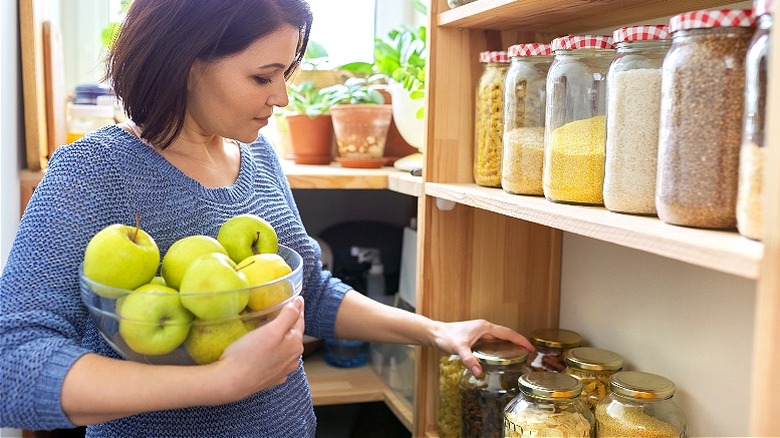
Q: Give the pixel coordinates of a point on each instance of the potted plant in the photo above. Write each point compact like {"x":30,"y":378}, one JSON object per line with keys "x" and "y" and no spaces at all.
{"x":361,"y":120}
{"x":308,"y":122}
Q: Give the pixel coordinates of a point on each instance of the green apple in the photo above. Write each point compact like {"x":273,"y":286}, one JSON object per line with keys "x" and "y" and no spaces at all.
{"x":212,"y":288}
{"x":152,"y":320}
{"x":247,"y":234}
{"x":208,"y":340}
{"x":122,"y":257}
{"x":182,"y":253}
{"x":261,"y":269}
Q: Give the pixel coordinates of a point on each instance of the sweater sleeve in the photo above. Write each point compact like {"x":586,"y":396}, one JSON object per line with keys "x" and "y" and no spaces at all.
{"x":322,"y":291}
{"x":42,"y":319}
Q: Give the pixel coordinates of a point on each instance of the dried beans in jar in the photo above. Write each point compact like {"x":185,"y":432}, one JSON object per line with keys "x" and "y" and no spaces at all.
{"x":702,"y":104}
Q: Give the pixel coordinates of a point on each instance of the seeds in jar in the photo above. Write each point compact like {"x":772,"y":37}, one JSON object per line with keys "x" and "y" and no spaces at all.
{"x":482,"y":413}
{"x":750,"y":220}
{"x":543,"y":423}
{"x":451,"y":370}
{"x":631,"y":421}
{"x":574,"y":171}
{"x":523,"y":161}
{"x":632,"y":141}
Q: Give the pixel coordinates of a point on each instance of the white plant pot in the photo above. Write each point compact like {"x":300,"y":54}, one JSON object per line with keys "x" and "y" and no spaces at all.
{"x":405,"y":110}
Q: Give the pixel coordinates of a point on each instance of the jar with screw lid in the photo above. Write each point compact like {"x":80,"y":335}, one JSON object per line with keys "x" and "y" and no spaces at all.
{"x":575,"y":131}
{"x":551,"y":344}
{"x":451,"y":370}
{"x":489,"y":118}
{"x":633,"y":110}
{"x":702,"y":105}
{"x":592,"y":367}
{"x":640,"y":405}
{"x":548,"y":405}
{"x":484,"y":398}
{"x":750,"y":222}
{"x":524,"y":114}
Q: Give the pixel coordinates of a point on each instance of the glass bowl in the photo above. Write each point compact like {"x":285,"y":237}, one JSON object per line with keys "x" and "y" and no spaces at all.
{"x":165,"y":334}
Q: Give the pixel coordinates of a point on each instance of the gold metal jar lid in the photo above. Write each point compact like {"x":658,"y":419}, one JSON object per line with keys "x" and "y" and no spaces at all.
{"x":637,"y":384}
{"x":498,"y":352}
{"x":555,"y":338}
{"x":593,"y":359}
{"x":544,"y":384}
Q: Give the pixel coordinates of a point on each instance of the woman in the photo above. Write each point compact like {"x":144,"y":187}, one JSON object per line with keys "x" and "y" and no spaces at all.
{"x":198,"y":79}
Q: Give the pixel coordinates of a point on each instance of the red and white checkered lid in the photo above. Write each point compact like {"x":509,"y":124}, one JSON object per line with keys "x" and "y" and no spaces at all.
{"x":530,"y":49}
{"x":573,"y":42}
{"x":641,"y":33}
{"x":761,"y":7}
{"x":499,"y":56}
{"x":712,"y":18}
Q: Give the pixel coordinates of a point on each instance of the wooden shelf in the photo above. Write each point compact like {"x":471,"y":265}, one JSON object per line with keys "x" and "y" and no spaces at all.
{"x":333,"y":176}
{"x":331,"y":385}
{"x":724,"y":251}
{"x":563,"y":16}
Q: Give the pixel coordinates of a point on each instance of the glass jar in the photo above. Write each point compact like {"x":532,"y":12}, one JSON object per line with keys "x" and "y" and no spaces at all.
{"x":83,"y":118}
{"x":451,"y":370}
{"x":702,"y":105}
{"x":640,"y":405}
{"x":592,"y":367}
{"x":548,"y":406}
{"x":550,"y":345}
{"x":524,"y":107}
{"x":575,"y":133}
{"x":489,"y":119}
{"x":456,"y":3}
{"x":633,"y":110}
{"x":483,"y":398}
{"x":750,"y":222}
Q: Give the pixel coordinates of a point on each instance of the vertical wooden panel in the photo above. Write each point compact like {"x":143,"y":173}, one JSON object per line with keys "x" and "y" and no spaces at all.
{"x":33,"y":84}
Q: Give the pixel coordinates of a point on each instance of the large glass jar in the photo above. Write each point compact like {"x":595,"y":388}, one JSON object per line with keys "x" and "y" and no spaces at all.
{"x":702,"y":104}
{"x":489,"y":119}
{"x":548,"y":406}
{"x":640,"y":405}
{"x":524,"y":112}
{"x":575,"y":132}
{"x":633,"y":109}
{"x":750,"y":222}
{"x":483,"y":398}
{"x":592,"y":367}
{"x":451,"y":370}
{"x":551,"y":344}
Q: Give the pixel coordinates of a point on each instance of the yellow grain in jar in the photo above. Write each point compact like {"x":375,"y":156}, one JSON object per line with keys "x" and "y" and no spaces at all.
{"x":575,"y":169}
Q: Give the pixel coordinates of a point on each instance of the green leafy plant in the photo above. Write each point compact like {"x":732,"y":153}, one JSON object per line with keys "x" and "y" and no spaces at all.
{"x":314,"y":56}
{"x":306,"y":98}
{"x":356,"y":90}
{"x":402,"y":58}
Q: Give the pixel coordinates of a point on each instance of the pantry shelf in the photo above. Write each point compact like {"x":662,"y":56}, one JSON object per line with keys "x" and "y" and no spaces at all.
{"x":723,"y":251}
{"x":334,"y":176}
{"x":562,"y":16}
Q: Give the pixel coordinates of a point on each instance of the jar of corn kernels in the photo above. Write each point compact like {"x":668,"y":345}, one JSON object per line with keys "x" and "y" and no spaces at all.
{"x":489,"y":119}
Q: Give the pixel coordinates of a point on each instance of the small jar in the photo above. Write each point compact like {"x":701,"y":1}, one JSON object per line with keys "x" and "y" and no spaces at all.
{"x":548,"y":406}
{"x":451,"y":370}
{"x":483,"y":398}
{"x":640,"y":405}
{"x":456,"y":3}
{"x":83,"y":118}
{"x":592,"y":367}
{"x":633,"y":110}
{"x":702,"y":105}
{"x":551,"y":344}
{"x":489,"y":119}
{"x":750,"y":218}
{"x":524,"y":113}
{"x":575,"y":134}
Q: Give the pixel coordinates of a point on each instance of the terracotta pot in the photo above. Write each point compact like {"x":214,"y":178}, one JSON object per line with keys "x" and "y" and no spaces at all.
{"x":311,"y":139}
{"x":361,"y":132}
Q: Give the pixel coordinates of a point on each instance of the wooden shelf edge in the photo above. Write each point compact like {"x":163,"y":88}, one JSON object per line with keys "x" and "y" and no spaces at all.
{"x":723,"y":251}
{"x":333,"y":176}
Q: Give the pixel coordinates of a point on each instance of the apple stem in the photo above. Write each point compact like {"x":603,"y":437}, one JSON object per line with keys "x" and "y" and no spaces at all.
{"x":137,"y":226}
{"x":255,"y":243}
{"x":245,"y":266}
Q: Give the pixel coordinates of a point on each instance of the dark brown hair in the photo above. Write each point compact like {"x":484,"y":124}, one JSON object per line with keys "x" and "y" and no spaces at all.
{"x":150,"y":60}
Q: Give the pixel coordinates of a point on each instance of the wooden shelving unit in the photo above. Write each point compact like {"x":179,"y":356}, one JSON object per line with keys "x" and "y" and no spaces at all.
{"x":512,"y":273}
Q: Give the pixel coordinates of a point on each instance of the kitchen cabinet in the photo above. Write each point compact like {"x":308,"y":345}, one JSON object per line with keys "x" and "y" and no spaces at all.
{"x":487,"y":254}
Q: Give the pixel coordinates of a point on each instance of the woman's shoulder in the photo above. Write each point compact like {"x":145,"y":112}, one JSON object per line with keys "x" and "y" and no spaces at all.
{"x":95,"y":146}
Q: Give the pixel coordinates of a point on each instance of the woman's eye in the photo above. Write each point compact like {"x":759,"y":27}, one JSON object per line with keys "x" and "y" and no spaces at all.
{"x":262,"y":80}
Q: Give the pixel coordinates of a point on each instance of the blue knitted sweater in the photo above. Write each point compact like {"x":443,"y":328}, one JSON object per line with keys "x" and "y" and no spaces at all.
{"x":44,"y":328}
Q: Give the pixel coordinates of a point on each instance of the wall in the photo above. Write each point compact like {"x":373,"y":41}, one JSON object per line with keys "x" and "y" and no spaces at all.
{"x":11,"y":125}
{"x":689,"y":324}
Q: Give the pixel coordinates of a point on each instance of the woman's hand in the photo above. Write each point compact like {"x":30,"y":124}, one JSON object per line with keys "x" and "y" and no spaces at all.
{"x":264,"y":357}
{"x":458,"y":337}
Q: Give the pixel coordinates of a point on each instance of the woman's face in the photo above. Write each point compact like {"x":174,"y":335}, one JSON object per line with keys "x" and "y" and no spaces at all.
{"x":234,"y":96}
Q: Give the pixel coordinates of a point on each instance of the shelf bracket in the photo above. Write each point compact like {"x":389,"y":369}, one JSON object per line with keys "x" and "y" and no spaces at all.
{"x":444,"y":204}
